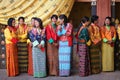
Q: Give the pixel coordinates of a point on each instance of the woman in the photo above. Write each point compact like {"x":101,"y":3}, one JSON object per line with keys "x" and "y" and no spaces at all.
{"x":108,"y":36}
{"x":22,"y":45}
{"x":65,"y":42}
{"x":11,"y":48}
{"x":37,"y":37}
{"x":83,"y":40}
{"x":52,"y":48}
{"x":95,"y":38}
{"x":30,"y":63}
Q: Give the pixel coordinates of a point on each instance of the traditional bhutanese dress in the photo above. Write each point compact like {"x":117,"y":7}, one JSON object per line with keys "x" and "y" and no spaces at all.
{"x":95,"y":49}
{"x":38,"y":54}
{"x":108,"y":34}
{"x":11,"y":51}
{"x":83,"y":53}
{"x":30,"y":61}
{"x":65,"y":43}
{"x":22,"y":48}
{"x":52,"y":49}
{"x":117,"y":49}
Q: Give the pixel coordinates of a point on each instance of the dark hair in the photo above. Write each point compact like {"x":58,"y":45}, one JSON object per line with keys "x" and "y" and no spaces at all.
{"x":109,"y":19}
{"x":62,"y":16}
{"x":40,"y":22}
{"x":94,"y":18}
{"x":9,"y":22}
{"x":84,"y":19}
{"x":21,"y":18}
{"x":54,"y":16}
{"x":33,"y":18}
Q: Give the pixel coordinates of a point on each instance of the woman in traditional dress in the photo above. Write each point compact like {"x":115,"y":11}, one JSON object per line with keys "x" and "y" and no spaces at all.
{"x":83,"y":42}
{"x":22,"y":45}
{"x":37,"y":37}
{"x":11,"y":48}
{"x":30,"y":61}
{"x":65,"y":43}
{"x":95,"y":47}
{"x":108,"y":33}
{"x":52,"y":47}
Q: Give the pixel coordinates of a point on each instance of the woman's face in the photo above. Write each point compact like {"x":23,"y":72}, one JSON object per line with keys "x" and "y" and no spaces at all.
{"x":61,"y":21}
{"x":21,"y":22}
{"x":107,"y":22}
{"x":54,"y":20}
{"x":32,"y":22}
{"x":13,"y":23}
{"x":37,"y":23}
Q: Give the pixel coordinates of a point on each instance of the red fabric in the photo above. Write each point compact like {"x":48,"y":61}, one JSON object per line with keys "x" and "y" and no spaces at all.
{"x":68,"y":35}
{"x":30,"y":60}
{"x":51,"y":33}
{"x":14,"y":40}
{"x":42,"y":49}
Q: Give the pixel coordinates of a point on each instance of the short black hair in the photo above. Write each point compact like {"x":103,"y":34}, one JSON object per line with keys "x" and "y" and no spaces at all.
{"x":54,"y":16}
{"x":21,"y":18}
{"x":9,"y":22}
{"x":40,"y":22}
{"x":63,"y":16}
{"x":94,"y":18}
{"x":84,"y":19}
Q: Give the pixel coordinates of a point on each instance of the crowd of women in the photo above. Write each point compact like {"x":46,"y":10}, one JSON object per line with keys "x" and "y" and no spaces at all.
{"x":42,"y":51}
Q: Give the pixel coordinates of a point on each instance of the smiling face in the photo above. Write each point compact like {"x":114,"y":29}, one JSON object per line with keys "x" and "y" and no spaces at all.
{"x":21,"y":21}
{"x":54,"y":20}
{"x":37,"y":23}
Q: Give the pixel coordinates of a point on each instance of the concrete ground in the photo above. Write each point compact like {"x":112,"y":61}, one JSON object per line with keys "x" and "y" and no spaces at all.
{"x":102,"y":76}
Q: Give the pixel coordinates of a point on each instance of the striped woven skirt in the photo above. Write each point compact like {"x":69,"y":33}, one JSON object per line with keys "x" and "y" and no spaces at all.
{"x":64,"y":58}
{"x":39,"y":62}
{"x":52,"y":59}
{"x":84,"y":62}
{"x":22,"y":57}
{"x":95,"y":61}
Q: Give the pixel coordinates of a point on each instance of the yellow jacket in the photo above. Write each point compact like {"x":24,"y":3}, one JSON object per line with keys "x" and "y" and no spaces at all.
{"x":9,"y":35}
{"x":22,"y":33}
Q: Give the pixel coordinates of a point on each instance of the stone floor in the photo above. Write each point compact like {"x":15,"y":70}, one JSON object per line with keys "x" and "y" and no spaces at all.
{"x":102,"y":76}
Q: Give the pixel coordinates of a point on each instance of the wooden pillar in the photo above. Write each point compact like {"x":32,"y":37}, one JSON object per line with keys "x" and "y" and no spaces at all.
{"x":103,"y":10}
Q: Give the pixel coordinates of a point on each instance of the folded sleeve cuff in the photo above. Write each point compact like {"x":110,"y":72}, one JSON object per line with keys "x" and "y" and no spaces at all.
{"x":105,"y":40}
{"x":35,"y":43}
{"x":51,"y":40}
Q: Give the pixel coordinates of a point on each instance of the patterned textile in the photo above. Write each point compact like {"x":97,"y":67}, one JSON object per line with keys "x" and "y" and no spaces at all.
{"x":39,"y":62}
{"x":95,"y":61}
{"x":22,"y":57}
{"x":84,"y":62}
{"x":52,"y":59}
{"x":64,"y":58}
